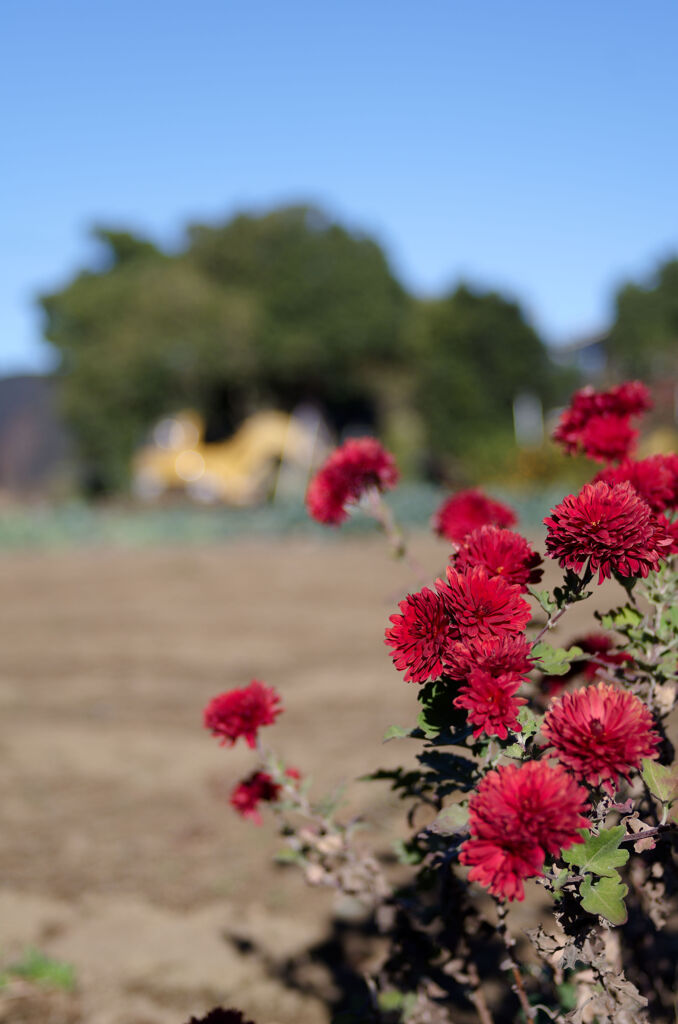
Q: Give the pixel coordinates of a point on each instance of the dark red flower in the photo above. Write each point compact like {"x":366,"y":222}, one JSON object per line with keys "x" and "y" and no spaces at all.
{"x":503,"y":553}
{"x":653,"y":479}
{"x":518,"y":815}
{"x":597,"y":422}
{"x":607,"y":438}
{"x":483,"y":606}
{"x":497,"y":655}
{"x":611,"y":528}
{"x":600,"y":733}
{"x":418,"y":636}
{"x":257,"y":788}
{"x":242,"y":712}
{"x":360,"y":464}
{"x":490,"y":701}
{"x":466,"y":511}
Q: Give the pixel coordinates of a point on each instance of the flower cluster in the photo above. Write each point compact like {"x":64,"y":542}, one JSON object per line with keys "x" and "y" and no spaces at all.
{"x":502,"y":553}
{"x":360,"y":464}
{"x":597,"y":423}
{"x":466,"y":511}
{"x":609,"y":527}
{"x":600,"y":733}
{"x":518,"y":815}
{"x":242,"y":713}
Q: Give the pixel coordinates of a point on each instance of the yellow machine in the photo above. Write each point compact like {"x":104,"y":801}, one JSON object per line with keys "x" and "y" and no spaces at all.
{"x":242,"y":470}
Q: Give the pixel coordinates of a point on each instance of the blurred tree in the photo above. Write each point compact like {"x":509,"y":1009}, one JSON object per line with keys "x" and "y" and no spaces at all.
{"x":263,"y":310}
{"x":643,"y":341}
{"x":475,"y":352}
{"x":274,"y":310}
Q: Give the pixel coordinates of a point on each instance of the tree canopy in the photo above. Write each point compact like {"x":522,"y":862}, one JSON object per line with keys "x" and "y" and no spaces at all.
{"x":277,"y":309}
{"x":643,"y":341}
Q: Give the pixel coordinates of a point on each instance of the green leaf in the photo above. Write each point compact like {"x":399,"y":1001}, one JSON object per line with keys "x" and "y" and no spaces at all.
{"x":396,"y":732}
{"x":545,"y":600}
{"x":621,"y":619}
{"x":599,"y":854}
{"x":530,"y":722}
{"x":555,"y":661}
{"x":407,"y":852}
{"x":450,"y":821}
{"x":662,"y":781}
{"x":288,"y":856}
{"x":669,"y":619}
{"x":605,"y":898}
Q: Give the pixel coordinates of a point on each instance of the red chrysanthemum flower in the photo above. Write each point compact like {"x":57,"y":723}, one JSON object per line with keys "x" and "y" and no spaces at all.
{"x":653,"y":479}
{"x":600,"y":733}
{"x":257,"y":788}
{"x":496,"y":655}
{"x":490,"y":701}
{"x":518,"y":815}
{"x":418,"y":636}
{"x":607,"y":438}
{"x":483,"y":606}
{"x":597,"y":422}
{"x":466,"y":511}
{"x":242,"y":712}
{"x":611,"y":527}
{"x":359,"y":464}
{"x":503,"y":553}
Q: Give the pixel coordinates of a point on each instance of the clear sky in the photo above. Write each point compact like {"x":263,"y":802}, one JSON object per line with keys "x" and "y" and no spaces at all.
{"x":529,"y":145}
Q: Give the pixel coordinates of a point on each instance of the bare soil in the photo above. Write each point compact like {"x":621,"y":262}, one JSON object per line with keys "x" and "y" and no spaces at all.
{"x":119,"y":852}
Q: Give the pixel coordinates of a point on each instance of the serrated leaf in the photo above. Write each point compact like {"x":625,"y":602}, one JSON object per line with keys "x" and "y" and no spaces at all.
{"x":450,"y":821}
{"x":605,"y":898}
{"x":555,"y":661}
{"x":395,"y":732}
{"x":529,"y":721}
{"x":599,"y":854}
{"x":545,"y":600}
{"x":662,"y":781}
{"x":621,"y":619}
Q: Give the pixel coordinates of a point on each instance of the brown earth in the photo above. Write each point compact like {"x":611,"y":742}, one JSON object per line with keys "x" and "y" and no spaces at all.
{"x":119,"y":853}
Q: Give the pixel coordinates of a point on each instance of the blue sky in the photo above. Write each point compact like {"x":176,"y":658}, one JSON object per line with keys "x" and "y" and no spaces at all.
{"x":530,"y":146}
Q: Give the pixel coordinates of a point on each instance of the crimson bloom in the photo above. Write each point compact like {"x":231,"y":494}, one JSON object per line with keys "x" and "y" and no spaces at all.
{"x":242,"y":712}
{"x":598,"y":422}
{"x":611,"y":527}
{"x":466,"y":511}
{"x":419,"y":635}
{"x":654,"y":479}
{"x":359,"y":464}
{"x":518,"y":815}
{"x":600,"y":733}
{"x":257,"y":788}
{"x":490,"y":701}
{"x":481,"y":605}
{"x":503,"y":553}
{"x":496,"y":655}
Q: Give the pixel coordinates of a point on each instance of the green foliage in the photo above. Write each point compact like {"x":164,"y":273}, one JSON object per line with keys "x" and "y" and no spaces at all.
{"x":474,"y":352}
{"x":598,"y":854}
{"x":554,"y":661}
{"x":605,"y":897}
{"x":662,"y":781}
{"x":452,"y":820}
{"x":396,"y":732}
{"x":40,"y":969}
{"x":643,"y":341}
{"x":274,"y":310}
